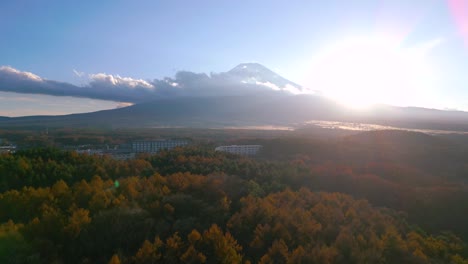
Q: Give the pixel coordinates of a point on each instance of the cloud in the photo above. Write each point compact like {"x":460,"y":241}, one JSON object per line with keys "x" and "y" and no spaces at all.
{"x":126,"y":89}
{"x":288,"y":88}
{"x":14,"y":104}
{"x":78,"y":73}
{"x":123,"y":104}
{"x":10,"y":71}
{"x":269,"y":85}
{"x":102,"y":79}
{"x":13,"y":80}
{"x":5,"y":98}
{"x":100,"y":86}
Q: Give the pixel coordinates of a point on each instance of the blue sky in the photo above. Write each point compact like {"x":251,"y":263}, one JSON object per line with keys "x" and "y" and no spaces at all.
{"x":153,"y":39}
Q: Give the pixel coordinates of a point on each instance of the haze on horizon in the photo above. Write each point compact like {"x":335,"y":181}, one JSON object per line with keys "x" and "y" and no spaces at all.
{"x":406,"y":53}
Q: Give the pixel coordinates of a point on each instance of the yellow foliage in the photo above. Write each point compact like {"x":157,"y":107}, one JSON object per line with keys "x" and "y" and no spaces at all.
{"x":114,"y":260}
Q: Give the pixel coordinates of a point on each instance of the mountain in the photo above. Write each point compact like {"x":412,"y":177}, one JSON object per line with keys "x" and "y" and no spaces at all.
{"x":244,"y":79}
{"x":247,"y":95}
{"x":255,"y":73}
{"x":256,"y":110}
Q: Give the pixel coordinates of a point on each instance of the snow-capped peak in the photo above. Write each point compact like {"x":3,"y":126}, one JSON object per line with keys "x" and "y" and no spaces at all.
{"x":255,"y":73}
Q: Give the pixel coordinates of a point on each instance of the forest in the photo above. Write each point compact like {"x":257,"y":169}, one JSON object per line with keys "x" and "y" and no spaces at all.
{"x":380,"y":197}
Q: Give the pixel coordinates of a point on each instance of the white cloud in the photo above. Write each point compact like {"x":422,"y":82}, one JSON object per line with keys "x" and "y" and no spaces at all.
{"x":123,"y":104}
{"x":14,"y":104}
{"x":269,"y":85}
{"x":21,"y":74}
{"x":287,"y":88}
{"x":109,"y":79}
{"x":78,"y":73}
{"x":173,"y":84}
{"x":294,"y":90}
{"x":98,"y":86}
{"x":127,"y":89}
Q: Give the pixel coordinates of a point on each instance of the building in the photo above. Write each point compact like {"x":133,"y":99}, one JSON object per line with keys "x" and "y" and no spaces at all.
{"x":8,"y":149}
{"x":247,"y":150}
{"x":122,"y":155}
{"x":155,"y":146}
{"x":90,"y":151}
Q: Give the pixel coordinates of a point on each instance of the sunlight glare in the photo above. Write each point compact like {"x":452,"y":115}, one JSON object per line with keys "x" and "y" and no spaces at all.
{"x":363,"y":71}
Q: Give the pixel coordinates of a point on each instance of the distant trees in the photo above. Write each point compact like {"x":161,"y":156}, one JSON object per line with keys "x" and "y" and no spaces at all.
{"x":198,"y":206}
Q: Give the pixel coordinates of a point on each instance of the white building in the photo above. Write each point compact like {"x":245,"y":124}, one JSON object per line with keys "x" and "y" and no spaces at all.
{"x":8,"y":149}
{"x":156,"y":145}
{"x":247,"y":150}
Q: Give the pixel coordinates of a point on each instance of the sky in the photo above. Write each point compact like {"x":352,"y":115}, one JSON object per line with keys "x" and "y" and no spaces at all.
{"x":84,"y":43}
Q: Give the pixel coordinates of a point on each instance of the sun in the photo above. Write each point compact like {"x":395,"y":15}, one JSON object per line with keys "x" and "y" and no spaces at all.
{"x":363,"y":71}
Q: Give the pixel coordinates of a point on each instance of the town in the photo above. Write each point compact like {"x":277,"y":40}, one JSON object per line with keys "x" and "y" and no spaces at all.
{"x":130,"y":150}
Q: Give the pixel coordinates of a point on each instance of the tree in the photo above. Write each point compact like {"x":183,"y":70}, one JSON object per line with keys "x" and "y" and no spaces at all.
{"x":79,"y":219}
{"x":149,"y":252}
{"x":114,"y":259}
{"x":223,"y":247}
{"x":278,"y":253}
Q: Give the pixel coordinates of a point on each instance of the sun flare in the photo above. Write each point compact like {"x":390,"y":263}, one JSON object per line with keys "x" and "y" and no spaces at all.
{"x":363,"y":71}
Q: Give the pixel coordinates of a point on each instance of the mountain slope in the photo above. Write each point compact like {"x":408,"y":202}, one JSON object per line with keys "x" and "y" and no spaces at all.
{"x":255,"y":73}
{"x":248,"y":95}
{"x":253,"y":110}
